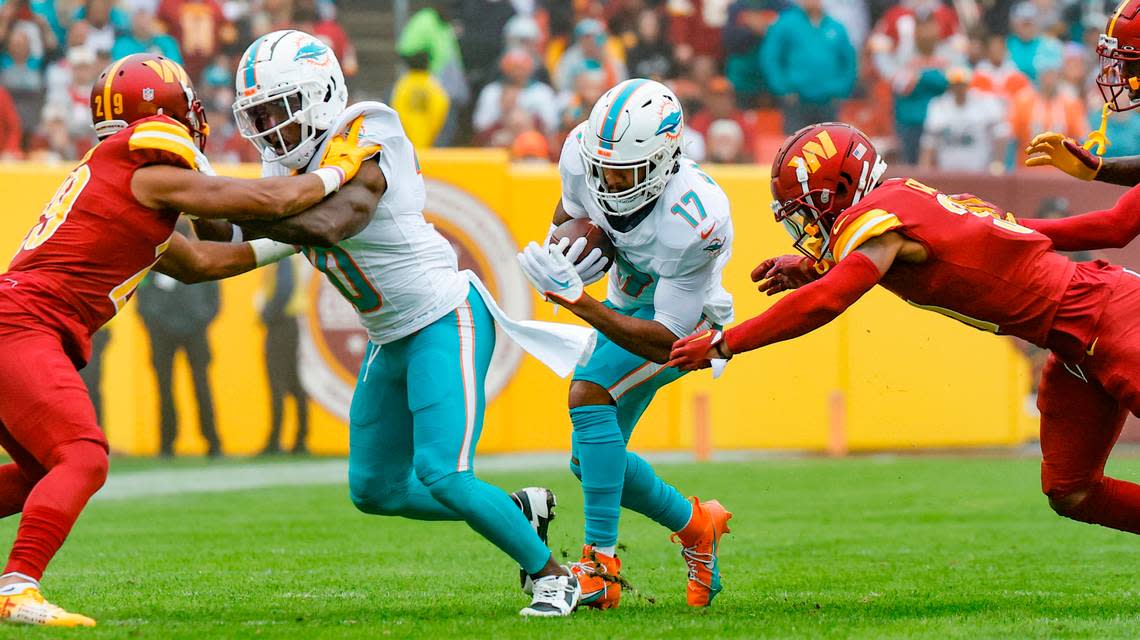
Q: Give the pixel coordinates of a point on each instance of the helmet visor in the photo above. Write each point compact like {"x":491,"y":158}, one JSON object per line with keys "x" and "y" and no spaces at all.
{"x":1119,"y":75}
{"x":802,"y":220}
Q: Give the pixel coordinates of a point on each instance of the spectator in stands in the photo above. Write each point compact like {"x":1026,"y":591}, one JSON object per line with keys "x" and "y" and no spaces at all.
{"x":748,"y":23}
{"x":145,"y":36}
{"x":530,"y":146}
{"x":523,"y":32}
{"x":307,"y":18}
{"x":695,"y":29}
{"x":996,"y":73}
{"x":18,"y":15}
{"x":650,"y":56}
{"x":11,"y":135}
{"x":1048,"y":107}
{"x":720,"y":104}
{"x":589,"y":49}
{"x":52,"y":142}
{"x":479,"y":25}
{"x":517,"y":122}
{"x":49,"y":10}
{"x":915,"y":82}
{"x":106,"y":22}
{"x":574,"y":106}
{"x":429,"y":30}
{"x":690,"y":84}
{"x":966,"y":129}
{"x":1075,"y":76}
{"x":70,"y":94}
{"x":23,"y":77}
{"x":808,"y":63}
{"x":854,"y":16}
{"x":536,"y":98}
{"x":1024,"y":38}
{"x":895,"y":30}
{"x":200,"y":28}
{"x":421,"y":102}
{"x":725,"y":142}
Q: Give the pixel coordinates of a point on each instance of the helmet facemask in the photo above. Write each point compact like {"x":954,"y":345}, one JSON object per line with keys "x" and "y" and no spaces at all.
{"x":280,"y":123}
{"x":809,"y":227}
{"x":649,"y":177}
{"x":1119,"y":75}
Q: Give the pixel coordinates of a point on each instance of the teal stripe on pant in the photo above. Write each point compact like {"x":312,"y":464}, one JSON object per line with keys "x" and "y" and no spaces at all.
{"x":416,"y":417}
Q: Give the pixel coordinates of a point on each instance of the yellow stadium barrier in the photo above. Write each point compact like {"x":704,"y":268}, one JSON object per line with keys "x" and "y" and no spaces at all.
{"x":884,"y":376}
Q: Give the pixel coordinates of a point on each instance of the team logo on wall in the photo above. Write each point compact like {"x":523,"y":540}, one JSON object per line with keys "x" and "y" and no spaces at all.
{"x":333,"y":342}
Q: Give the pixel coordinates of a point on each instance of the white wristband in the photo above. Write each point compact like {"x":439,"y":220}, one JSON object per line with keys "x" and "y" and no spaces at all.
{"x":266,"y":251}
{"x":333,"y":178}
{"x":236,"y":236}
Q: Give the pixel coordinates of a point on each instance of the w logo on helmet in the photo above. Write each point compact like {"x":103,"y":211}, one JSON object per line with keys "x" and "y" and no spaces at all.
{"x":168,"y":70}
{"x":822,"y":147}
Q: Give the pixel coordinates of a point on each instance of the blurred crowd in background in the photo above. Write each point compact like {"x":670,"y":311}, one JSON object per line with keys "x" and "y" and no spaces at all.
{"x":51,"y":52}
{"x":958,"y":85}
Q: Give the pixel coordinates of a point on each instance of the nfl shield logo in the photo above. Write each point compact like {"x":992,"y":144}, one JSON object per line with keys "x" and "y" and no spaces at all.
{"x":148,"y":94}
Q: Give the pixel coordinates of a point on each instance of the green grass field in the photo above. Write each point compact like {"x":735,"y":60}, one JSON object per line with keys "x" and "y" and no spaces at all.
{"x":863,"y":547}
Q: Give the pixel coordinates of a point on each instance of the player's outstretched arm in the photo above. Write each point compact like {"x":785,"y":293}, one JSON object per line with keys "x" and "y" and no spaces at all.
{"x":1067,"y":154}
{"x":341,"y":216}
{"x":169,"y":188}
{"x":193,"y":261}
{"x":1106,"y":229}
{"x":801,"y":311}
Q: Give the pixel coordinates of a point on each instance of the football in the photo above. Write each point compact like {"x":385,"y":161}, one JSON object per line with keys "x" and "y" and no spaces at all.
{"x":595,"y":238}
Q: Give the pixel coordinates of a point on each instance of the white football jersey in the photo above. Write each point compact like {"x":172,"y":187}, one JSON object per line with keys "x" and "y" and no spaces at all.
{"x":689,"y":229}
{"x":399,"y":273}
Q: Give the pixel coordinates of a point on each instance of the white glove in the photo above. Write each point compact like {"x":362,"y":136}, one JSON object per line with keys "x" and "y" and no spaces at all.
{"x":551,"y":273}
{"x":591,"y":268}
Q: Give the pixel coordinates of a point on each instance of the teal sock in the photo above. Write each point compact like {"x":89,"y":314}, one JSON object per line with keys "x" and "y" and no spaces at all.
{"x":490,"y":511}
{"x":601,"y":454}
{"x":649,"y":495}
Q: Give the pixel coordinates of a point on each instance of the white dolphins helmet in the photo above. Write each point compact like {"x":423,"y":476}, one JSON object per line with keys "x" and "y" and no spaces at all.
{"x":288,"y":77}
{"x":635,"y":125}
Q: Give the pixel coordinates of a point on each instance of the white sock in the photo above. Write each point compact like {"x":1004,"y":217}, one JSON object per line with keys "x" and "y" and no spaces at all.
{"x":17,"y":587}
{"x":608,"y":551}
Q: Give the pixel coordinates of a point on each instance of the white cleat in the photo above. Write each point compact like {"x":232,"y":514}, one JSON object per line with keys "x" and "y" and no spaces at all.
{"x":537,"y":504}
{"x":554,"y":596}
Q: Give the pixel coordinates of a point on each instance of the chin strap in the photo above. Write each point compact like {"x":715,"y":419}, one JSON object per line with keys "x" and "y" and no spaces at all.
{"x":1097,"y":141}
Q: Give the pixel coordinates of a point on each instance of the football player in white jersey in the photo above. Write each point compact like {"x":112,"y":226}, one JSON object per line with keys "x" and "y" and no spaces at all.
{"x":625,"y":171}
{"x":417,"y":411}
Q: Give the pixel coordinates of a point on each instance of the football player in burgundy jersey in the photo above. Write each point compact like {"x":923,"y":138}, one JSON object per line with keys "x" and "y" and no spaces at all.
{"x":109,"y":223}
{"x":965,"y":258}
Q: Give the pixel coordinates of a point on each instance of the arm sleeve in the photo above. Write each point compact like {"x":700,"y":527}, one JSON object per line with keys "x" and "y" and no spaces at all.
{"x":1106,"y":229}
{"x":678,"y":302}
{"x":807,"y":308}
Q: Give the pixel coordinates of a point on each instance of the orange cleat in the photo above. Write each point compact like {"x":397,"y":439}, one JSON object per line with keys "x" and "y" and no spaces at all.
{"x":29,"y":607}
{"x":700,"y":541}
{"x":598,"y":575}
